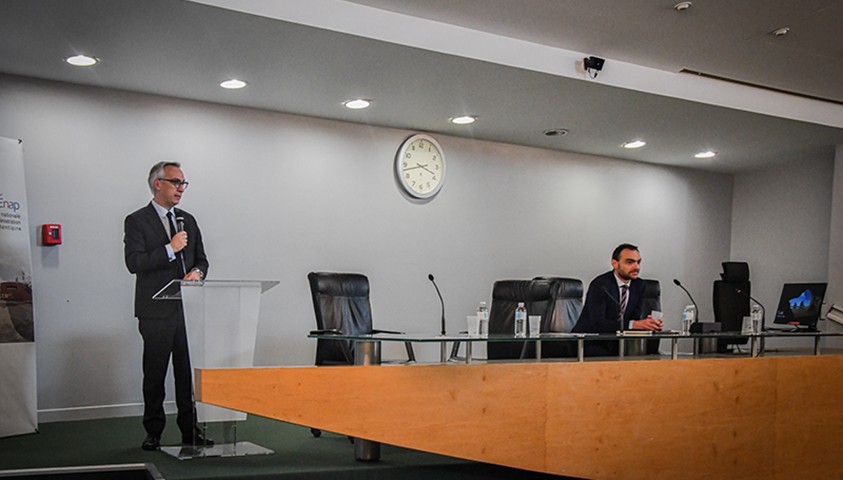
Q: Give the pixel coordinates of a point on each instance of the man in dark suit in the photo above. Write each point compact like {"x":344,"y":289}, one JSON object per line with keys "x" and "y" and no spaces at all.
{"x":163,"y":243}
{"x":614,"y":301}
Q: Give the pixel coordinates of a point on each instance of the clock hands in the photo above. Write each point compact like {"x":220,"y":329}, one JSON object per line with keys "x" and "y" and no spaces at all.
{"x":423,"y":167}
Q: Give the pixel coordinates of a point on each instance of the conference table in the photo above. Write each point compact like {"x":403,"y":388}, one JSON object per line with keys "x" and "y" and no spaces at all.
{"x":754,"y":415}
{"x":367,"y":347}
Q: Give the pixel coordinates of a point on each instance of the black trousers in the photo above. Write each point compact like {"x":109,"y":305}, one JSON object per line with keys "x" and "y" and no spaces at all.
{"x":164,"y":338}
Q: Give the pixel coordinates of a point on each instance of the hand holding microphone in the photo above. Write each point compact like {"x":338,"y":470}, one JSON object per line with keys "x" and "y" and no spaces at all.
{"x":179,"y":240}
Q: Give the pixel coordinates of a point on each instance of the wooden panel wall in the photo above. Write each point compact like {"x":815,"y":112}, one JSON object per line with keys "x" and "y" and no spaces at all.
{"x":711,"y":418}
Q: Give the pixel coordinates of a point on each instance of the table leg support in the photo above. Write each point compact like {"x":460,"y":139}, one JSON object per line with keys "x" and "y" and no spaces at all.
{"x":368,"y":353}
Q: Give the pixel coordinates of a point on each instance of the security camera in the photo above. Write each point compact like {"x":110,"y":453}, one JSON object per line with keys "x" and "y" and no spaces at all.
{"x":593,"y":63}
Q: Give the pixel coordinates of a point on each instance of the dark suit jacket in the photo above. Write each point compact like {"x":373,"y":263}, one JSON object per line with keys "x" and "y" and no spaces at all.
{"x":602,"y":305}
{"x":144,"y":240}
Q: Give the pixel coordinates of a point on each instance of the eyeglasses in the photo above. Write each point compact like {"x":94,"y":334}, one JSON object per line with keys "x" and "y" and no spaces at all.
{"x":179,"y":184}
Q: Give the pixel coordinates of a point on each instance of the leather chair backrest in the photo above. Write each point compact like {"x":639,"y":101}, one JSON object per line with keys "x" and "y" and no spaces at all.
{"x":538,"y":299}
{"x":341,"y":302}
{"x":652,"y":297}
{"x":735,"y":272}
{"x":730,"y":306}
{"x":567,"y":294}
{"x":652,"y":301}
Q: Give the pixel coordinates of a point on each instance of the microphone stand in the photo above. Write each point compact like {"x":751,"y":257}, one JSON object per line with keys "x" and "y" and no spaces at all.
{"x":678,"y":284}
{"x":620,"y":317}
{"x":763,"y":310}
{"x":621,"y":329}
{"x":443,"y":347}
{"x":763,"y":316}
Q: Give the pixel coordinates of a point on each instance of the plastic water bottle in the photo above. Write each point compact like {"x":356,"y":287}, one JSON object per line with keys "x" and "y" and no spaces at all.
{"x":520,"y":320}
{"x":483,"y":319}
{"x":755,"y":315}
{"x":689,"y":315}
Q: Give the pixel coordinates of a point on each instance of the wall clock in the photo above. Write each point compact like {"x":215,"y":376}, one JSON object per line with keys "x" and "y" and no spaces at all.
{"x":420,"y":166}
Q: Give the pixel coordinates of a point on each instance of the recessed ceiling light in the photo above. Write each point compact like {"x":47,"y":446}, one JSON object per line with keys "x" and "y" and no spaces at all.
{"x":634,"y":144}
{"x":233,"y":84}
{"x":357,"y":103}
{"x":555,"y":132}
{"x":682,"y":6}
{"x":779,"y":32}
{"x":705,"y":154}
{"x":81,"y":60}
{"x":464,"y":120}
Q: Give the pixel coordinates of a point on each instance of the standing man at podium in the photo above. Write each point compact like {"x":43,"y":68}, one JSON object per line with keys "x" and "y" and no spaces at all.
{"x":163,"y":243}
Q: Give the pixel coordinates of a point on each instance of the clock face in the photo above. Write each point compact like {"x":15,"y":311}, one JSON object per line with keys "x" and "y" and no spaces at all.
{"x":420,"y":166}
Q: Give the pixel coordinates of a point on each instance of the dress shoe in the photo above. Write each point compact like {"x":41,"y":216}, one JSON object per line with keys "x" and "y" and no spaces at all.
{"x":151,"y":442}
{"x":198,"y":439}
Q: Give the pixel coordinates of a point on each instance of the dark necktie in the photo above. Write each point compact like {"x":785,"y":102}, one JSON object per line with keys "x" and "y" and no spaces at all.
{"x":173,"y":232}
{"x":624,"y":300}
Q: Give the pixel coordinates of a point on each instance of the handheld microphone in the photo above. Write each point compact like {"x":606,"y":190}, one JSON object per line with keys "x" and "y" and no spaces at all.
{"x":678,"y":284}
{"x":763,"y":310}
{"x":430,"y":277}
{"x":180,"y":228}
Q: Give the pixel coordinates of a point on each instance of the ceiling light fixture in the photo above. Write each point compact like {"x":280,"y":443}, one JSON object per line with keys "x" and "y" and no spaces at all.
{"x":682,"y":6}
{"x":780,"y":32}
{"x":233,"y":84}
{"x":705,"y":154}
{"x":357,"y":103}
{"x":81,"y":61}
{"x":634,"y":144}
{"x":464,"y":120}
{"x":555,"y":132}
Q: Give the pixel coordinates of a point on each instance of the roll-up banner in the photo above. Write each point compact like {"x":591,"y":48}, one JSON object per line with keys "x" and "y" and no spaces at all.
{"x":18,"y":394}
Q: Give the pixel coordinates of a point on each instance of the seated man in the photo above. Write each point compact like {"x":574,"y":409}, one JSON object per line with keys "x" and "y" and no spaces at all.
{"x":613,"y":302}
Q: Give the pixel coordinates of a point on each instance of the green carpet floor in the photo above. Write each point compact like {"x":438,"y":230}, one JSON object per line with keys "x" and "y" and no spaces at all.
{"x":298,"y":455}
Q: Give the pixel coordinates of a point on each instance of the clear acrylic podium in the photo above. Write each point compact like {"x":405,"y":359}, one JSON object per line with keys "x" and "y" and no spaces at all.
{"x":222,"y":321}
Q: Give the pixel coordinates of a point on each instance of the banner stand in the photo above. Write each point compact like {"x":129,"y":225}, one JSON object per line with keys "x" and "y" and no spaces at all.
{"x":18,"y":389}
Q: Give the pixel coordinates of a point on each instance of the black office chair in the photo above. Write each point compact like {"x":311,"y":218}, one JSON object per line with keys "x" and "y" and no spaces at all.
{"x":341,"y":304}
{"x":652,"y":301}
{"x":568,"y":303}
{"x":538,"y":299}
{"x":730,"y":306}
{"x":566,"y":295}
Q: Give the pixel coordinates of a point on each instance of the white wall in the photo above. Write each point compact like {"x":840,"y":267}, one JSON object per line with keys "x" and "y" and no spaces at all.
{"x":780,"y":225}
{"x":278,"y":196}
{"x":835,"y":259}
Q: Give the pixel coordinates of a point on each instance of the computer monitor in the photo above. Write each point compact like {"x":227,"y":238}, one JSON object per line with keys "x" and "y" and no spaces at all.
{"x":800,"y":304}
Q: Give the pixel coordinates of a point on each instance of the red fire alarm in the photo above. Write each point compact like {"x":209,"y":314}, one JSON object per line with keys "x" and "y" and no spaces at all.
{"x":51,"y":234}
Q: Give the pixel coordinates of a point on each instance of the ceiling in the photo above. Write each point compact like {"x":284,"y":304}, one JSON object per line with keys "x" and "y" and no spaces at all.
{"x":184,"y":49}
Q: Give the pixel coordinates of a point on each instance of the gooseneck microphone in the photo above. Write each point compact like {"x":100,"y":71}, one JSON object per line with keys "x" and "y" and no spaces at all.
{"x":763,"y":310}
{"x":430,"y":277}
{"x":679,"y":284}
{"x":620,"y":318}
